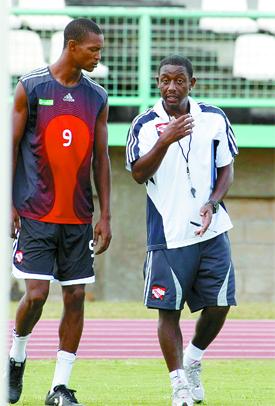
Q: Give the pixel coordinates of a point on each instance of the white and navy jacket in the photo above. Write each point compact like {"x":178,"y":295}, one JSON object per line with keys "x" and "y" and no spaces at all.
{"x":170,"y":205}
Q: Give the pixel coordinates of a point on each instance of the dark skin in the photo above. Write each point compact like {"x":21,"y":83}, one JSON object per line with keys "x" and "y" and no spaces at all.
{"x":67,"y":71}
{"x":175,"y":83}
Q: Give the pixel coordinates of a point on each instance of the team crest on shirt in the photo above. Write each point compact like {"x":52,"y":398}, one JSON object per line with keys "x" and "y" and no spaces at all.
{"x":158,"y":292}
{"x":19,"y":256}
{"x":161,"y":127}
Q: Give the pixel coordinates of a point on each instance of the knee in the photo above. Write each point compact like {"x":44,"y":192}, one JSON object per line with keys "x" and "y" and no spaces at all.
{"x":217,"y":312}
{"x":36,"y":298}
{"x":168,"y":318}
{"x":74,"y":297}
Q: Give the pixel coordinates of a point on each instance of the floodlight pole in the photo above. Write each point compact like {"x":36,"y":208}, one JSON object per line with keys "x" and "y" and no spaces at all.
{"x":5,"y":182}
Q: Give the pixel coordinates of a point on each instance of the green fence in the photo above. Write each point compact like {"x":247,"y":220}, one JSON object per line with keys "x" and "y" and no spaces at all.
{"x":137,"y":38}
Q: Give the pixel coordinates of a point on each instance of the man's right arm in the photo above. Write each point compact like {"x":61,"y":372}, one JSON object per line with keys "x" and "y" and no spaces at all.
{"x":146,"y":166}
{"x":19,"y":120}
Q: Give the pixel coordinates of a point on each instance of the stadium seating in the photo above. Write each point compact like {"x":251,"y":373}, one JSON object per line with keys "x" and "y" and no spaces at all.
{"x":56,"y":46}
{"x":25,"y":52}
{"x":227,"y":24}
{"x":14,"y":22}
{"x":44,"y":22}
{"x":254,"y":57}
{"x":132,"y":60}
{"x":266,"y":24}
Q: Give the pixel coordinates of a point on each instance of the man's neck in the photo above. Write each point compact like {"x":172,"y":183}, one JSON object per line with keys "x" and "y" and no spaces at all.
{"x":179,"y":111}
{"x":64,"y":73}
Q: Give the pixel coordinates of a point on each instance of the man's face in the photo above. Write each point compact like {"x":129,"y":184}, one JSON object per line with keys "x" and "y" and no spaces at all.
{"x":87,"y":53}
{"x":174,"y":84}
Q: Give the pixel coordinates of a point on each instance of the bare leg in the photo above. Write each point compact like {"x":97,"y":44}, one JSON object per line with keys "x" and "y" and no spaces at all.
{"x":28,"y":313}
{"x":170,"y":338}
{"x":209,"y":325}
{"x":31,"y":305}
{"x":71,"y":324}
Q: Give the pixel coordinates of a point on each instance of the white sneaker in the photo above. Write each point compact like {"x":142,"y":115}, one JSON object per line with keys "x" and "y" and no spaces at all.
{"x":192,"y":373}
{"x":181,"y":394}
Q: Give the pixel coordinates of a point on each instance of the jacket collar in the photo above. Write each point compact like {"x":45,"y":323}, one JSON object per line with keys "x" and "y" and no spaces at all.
{"x":195,"y":109}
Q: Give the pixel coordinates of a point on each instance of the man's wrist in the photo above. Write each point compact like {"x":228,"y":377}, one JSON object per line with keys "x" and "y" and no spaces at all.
{"x":105,"y":216}
{"x":214,"y":204}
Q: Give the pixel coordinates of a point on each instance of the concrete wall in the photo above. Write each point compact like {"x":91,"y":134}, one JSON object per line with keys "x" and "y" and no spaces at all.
{"x":252,"y":240}
{"x":119,"y":270}
{"x":251,"y":204}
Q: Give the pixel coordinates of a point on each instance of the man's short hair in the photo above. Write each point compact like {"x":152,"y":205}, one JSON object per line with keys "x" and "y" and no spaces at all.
{"x":79,"y":28}
{"x":178,"y":61}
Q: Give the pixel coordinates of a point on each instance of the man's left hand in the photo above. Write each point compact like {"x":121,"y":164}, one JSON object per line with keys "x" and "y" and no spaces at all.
{"x":102,"y":232}
{"x":206,"y":213}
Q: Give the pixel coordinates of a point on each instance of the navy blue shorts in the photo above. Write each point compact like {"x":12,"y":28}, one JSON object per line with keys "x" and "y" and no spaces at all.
{"x":200,"y":274}
{"x":61,"y":252}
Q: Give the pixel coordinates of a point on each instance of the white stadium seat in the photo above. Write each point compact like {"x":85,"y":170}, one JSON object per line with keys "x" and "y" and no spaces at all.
{"x":232,"y":25}
{"x":57,"y":40}
{"x":44,"y":22}
{"x":25,"y":52}
{"x":254,"y":57}
{"x":14,"y":22}
{"x":266,"y":24}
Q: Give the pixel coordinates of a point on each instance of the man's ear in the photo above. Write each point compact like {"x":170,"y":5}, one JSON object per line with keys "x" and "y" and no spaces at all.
{"x":71,"y":45}
{"x":192,"y":84}
{"x":157,"y":80}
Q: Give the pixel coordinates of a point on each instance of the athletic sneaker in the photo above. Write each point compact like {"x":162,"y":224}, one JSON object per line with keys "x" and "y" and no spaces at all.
{"x":62,"y":396}
{"x":16,"y":380}
{"x":192,"y":373}
{"x":181,"y":395}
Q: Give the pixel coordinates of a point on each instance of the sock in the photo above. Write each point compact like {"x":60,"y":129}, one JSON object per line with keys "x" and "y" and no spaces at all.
{"x":176,"y":375}
{"x":191,"y":354}
{"x":19,"y":344}
{"x":63,"y":368}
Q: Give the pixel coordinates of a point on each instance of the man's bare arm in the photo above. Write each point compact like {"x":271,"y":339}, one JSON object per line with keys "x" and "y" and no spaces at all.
{"x":102,"y":180}
{"x":19,"y":120}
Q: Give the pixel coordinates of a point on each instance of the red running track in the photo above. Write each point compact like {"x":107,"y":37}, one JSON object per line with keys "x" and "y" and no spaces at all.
{"x":118,"y":339}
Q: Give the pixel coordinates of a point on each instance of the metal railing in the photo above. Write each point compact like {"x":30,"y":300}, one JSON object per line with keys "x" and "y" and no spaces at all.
{"x":136,"y":39}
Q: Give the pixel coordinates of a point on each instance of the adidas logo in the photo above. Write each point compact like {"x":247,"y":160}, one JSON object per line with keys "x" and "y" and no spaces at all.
{"x":68,"y":98}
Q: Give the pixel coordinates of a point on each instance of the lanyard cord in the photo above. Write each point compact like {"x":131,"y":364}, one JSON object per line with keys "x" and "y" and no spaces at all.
{"x":186,"y":158}
{"x":189,"y":149}
{"x":192,"y":189}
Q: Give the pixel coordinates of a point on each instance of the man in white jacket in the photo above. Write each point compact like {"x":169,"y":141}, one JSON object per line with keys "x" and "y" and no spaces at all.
{"x":183,"y":151}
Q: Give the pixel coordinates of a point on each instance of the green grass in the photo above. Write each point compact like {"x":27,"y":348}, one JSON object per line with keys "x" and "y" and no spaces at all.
{"x":136,"y":310}
{"x":146,"y":382}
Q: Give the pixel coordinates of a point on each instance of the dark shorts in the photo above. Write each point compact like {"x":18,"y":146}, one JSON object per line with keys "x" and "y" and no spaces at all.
{"x":200,"y":274}
{"x":61,"y":252}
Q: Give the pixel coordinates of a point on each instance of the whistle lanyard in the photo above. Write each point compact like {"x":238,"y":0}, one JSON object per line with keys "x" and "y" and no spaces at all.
{"x":186,"y":158}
